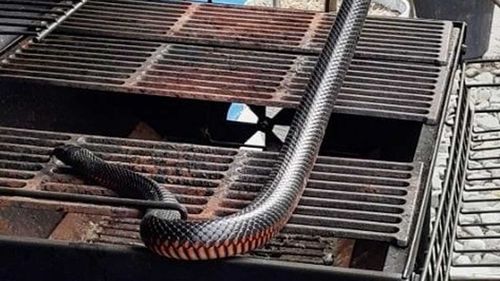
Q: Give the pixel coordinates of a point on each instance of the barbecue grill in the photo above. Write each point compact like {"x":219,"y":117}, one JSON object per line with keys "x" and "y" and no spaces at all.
{"x":148,"y":84}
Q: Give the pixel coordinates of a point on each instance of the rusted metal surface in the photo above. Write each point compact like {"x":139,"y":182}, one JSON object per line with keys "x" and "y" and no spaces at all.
{"x":344,"y":197}
{"x":28,"y":222}
{"x":401,"y":90}
{"x":76,"y":227}
{"x":258,"y":56}
{"x":255,"y":28}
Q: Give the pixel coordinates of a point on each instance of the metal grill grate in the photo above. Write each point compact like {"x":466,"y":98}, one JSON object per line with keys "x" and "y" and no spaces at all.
{"x":256,"y":28}
{"x":344,"y":198}
{"x":401,"y":90}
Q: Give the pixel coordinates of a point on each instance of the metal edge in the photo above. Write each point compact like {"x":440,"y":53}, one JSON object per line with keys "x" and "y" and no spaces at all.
{"x":483,"y":60}
{"x":86,"y":199}
{"x":450,"y":68}
{"x":15,"y":42}
{"x":83,"y":260}
{"x":411,"y":207}
{"x":398,"y":258}
{"x":444,"y":56}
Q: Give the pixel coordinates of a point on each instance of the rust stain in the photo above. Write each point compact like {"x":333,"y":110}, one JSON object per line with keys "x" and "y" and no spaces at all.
{"x":76,"y":227}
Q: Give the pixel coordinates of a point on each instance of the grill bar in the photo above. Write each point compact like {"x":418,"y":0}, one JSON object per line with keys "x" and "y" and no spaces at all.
{"x":81,"y":198}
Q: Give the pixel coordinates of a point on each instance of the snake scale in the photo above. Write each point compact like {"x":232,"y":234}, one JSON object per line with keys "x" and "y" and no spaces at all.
{"x":170,"y":234}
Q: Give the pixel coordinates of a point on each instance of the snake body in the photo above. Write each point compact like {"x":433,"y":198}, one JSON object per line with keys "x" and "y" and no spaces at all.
{"x":166,"y":233}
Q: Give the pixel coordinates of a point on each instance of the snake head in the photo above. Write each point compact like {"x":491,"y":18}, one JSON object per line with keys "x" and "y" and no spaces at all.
{"x":66,"y":152}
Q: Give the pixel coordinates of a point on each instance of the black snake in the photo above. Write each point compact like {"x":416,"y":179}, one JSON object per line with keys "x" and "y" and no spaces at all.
{"x":168,"y":233}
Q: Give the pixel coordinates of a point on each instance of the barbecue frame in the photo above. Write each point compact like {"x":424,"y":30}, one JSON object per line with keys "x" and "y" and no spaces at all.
{"x":79,"y":258}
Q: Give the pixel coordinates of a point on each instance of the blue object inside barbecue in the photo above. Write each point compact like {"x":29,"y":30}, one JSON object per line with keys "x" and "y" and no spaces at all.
{"x":234,"y":112}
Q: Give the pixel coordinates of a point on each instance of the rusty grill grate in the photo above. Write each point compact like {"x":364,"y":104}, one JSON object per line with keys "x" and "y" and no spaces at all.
{"x":255,"y":28}
{"x":344,"y":198}
{"x":390,"y":89}
{"x":257,"y":56}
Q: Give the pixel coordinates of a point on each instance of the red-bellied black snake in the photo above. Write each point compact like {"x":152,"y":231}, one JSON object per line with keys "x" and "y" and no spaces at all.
{"x":168,"y":233}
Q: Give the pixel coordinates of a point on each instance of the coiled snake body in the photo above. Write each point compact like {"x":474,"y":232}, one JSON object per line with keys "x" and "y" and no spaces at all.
{"x":167,"y":233}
